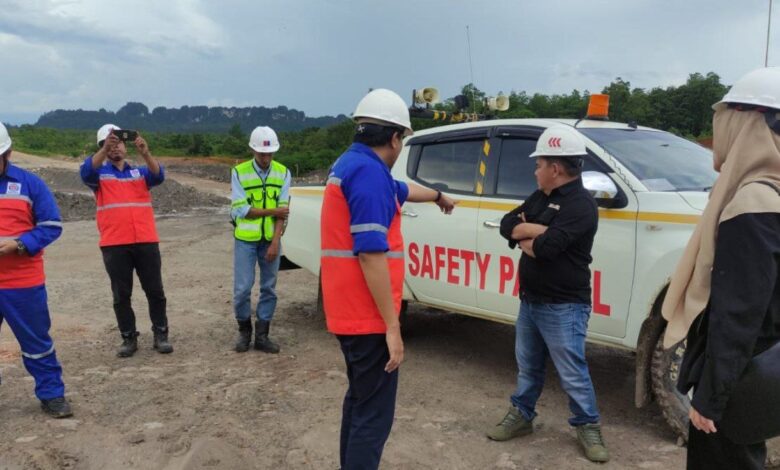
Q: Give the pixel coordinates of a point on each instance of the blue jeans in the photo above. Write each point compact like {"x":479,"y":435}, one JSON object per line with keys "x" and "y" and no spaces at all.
{"x":245,"y":256}
{"x":557,"y":331}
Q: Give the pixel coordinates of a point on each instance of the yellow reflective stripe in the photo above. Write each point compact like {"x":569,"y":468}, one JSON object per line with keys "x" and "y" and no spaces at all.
{"x":669,"y":218}
{"x":506,"y":207}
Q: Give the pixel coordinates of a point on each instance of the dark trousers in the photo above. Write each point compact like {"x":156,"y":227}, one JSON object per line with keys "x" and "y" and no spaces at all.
{"x":369,"y":405}
{"x":120,"y":262}
{"x":717,"y":452}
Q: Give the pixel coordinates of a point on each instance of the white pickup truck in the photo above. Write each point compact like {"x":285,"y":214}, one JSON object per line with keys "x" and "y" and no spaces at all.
{"x":651,"y":187}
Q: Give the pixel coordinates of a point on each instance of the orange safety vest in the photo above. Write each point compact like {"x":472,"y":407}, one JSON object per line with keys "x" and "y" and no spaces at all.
{"x":349,"y":306}
{"x":124,"y":211}
{"x":16,"y":218}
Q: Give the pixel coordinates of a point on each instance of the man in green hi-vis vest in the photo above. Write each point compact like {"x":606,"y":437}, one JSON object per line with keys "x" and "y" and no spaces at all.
{"x":260,"y":195}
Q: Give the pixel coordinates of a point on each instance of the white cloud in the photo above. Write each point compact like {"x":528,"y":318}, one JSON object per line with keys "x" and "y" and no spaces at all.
{"x":321,"y":56}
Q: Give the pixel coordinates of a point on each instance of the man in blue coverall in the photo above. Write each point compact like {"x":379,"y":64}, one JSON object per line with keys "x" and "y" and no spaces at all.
{"x":29,"y":221}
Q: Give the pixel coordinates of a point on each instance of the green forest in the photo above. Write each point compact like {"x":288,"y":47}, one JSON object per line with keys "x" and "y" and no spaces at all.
{"x":684,"y":110}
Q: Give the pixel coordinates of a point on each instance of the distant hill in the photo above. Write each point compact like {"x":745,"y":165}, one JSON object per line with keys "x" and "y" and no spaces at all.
{"x":186,"y":119}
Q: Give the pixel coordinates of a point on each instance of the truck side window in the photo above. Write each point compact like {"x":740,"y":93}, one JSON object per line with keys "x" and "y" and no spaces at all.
{"x":516,"y":168}
{"x":450,"y":166}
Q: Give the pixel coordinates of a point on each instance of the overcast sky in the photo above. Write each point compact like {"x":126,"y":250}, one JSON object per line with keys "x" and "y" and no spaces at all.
{"x":321,"y":56}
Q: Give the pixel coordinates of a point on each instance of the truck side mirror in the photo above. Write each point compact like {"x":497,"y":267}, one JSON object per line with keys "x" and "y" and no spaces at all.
{"x":602,"y":188}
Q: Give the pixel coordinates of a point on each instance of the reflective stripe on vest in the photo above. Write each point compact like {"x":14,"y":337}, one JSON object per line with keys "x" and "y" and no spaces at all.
{"x":124,"y":211}
{"x":261,"y":194}
{"x":349,"y":306}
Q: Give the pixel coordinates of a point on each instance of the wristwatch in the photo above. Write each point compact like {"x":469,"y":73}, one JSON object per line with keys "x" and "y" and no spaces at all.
{"x":20,"y":248}
{"x":438,"y":196}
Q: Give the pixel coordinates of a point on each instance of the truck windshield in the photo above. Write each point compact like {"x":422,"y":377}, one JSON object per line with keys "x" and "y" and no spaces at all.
{"x":662,"y":161}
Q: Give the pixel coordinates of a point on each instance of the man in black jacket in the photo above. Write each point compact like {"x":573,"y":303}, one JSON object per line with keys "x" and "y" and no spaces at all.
{"x":555,"y":228}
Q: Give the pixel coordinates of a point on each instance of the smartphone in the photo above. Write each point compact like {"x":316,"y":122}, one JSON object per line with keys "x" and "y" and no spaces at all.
{"x":125,"y":134}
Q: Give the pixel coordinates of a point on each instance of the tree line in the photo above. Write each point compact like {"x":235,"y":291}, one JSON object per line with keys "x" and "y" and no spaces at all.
{"x":187,"y":119}
{"x":684,"y":110}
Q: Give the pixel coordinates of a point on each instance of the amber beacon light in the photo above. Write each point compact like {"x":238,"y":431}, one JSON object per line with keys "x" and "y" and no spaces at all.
{"x":598,"y":107}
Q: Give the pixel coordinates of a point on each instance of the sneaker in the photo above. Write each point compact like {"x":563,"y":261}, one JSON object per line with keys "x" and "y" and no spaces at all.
{"x":57,"y":408}
{"x":513,"y":425}
{"x":592,"y":442}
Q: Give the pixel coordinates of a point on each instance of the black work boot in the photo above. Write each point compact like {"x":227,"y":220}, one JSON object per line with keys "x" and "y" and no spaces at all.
{"x":57,"y":408}
{"x":129,"y":344}
{"x":262,"y":343}
{"x":244,"y":335}
{"x":161,"y":343}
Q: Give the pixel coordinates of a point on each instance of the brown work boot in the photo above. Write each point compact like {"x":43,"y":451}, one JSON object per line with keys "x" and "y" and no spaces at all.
{"x":513,"y":425}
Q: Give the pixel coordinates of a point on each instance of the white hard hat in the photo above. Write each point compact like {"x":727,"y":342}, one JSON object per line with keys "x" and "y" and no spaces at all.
{"x":383,"y":107}
{"x":5,"y":139}
{"x":560,"y":141}
{"x":760,"y":87}
{"x":105,"y":129}
{"x":264,"y":140}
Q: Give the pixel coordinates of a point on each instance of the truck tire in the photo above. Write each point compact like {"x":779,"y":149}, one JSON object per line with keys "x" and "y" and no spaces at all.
{"x":674,"y":405}
{"x":664,"y":371}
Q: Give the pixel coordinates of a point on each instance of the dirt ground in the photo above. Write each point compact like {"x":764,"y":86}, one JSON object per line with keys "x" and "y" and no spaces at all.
{"x":205,"y":406}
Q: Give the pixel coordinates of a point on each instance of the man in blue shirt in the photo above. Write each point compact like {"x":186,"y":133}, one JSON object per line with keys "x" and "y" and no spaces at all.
{"x":363,"y":270}
{"x":29,"y":221}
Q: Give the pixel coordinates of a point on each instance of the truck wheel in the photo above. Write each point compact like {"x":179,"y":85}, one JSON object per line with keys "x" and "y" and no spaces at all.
{"x":674,"y":405}
{"x":664,"y":371}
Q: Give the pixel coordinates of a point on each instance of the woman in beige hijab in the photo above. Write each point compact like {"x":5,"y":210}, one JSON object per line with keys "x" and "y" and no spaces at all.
{"x":725,"y":293}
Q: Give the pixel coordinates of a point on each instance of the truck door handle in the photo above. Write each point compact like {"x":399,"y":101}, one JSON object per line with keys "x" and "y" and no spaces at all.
{"x":409,"y":213}
{"x":491,"y":224}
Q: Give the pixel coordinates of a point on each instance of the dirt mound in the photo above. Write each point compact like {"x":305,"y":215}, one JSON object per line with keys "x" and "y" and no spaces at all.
{"x":74,"y":206}
{"x":219,"y":170}
{"x":77,"y":203}
{"x":214,"y":171}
